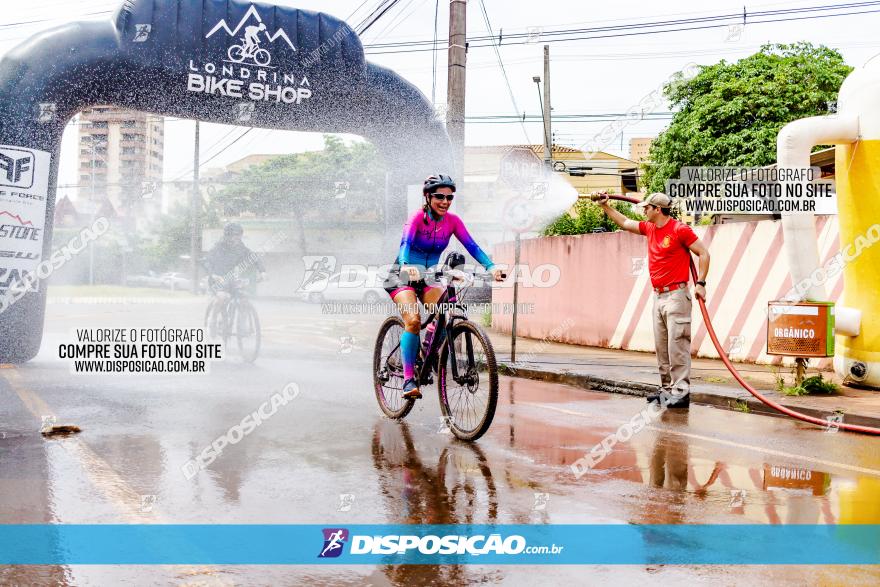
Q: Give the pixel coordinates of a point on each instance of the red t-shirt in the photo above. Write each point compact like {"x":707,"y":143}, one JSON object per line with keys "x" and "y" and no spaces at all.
{"x":668,"y":255}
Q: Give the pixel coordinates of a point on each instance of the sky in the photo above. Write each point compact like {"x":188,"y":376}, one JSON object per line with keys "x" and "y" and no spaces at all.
{"x":588,"y":76}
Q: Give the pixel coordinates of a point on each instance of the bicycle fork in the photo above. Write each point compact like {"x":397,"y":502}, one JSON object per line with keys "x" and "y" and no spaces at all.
{"x":469,"y":378}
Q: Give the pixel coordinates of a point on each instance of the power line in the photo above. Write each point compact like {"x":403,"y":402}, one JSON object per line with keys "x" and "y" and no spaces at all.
{"x":434,"y":55}
{"x":215,"y":155}
{"x":370,"y":15}
{"x":214,"y":144}
{"x":401,"y":17}
{"x":39,"y":20}
{"x":570,"y":115}
{"x":654,"y":56}
{"x":503,"y":70}
{"x":515,"y":39}
{"x":737,"y":16}
{"x":353,"y":12}
{"x":367,"y":23}
{"x":648,"y":16}
{"x":628,"y":30}
{"x":268,"y":131}
{"x":563,"y":120}
{"x":483,"y":121}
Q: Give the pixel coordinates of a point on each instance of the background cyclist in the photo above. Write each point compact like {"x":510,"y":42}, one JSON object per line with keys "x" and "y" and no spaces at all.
{"x":425,"y":236}
{"x":231,"y":259}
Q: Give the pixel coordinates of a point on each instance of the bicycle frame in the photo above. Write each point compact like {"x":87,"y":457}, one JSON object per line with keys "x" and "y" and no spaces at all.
{"x":248,"y":50}
{"x":236,"y":295}
{"x":445,"y":324}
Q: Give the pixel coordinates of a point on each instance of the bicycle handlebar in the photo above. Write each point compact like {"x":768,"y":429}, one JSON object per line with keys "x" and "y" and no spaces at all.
{"x":446,"y":271}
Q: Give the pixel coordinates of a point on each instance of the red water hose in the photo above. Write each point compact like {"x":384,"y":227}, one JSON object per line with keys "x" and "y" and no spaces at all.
{"x":711,"y":330}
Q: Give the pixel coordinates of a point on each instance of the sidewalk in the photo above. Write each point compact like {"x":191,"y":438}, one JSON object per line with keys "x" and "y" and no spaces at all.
{"x":635,"y":373}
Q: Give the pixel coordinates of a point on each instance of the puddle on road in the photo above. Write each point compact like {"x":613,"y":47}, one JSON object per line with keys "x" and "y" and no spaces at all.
{"x":671,"y":478}
{"x":519,"y":474}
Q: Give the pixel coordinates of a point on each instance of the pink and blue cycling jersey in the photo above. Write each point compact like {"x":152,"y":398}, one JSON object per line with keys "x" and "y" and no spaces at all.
{"x":425,"y":238}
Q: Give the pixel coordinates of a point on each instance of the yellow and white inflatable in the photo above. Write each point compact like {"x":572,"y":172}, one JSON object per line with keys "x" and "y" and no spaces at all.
{"x":855,"y":130}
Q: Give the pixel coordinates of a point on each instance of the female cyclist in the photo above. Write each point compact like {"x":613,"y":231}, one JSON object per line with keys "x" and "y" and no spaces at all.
{"x":425,"y":236}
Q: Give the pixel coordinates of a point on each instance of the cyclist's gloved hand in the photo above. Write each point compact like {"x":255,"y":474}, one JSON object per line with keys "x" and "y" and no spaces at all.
{"x":410,"y":273}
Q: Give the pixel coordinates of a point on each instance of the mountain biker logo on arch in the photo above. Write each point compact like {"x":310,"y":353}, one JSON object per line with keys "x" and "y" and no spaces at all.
{"x":246,"y":71}
{"x":250,"y":51}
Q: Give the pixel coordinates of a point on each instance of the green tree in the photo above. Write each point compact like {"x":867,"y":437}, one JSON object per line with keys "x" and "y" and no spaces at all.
{"x":340,"y":180}
{"x":172,"y":238}
{"x":292,"y":184}
{"x":300,"y":186}
{"x":587,"y":217}
{"x":730,"y":113}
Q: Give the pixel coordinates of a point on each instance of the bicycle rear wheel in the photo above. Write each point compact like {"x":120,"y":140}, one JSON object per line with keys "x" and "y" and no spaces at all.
{"x":211,"y":318}
{"x":247,"y":330}
{"x":236,"y":53}
{"x":469,"y":393}
{"x":388,"y":370}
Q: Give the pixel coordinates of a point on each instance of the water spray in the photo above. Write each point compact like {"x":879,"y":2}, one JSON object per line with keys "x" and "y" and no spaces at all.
{"x":765,"y":400}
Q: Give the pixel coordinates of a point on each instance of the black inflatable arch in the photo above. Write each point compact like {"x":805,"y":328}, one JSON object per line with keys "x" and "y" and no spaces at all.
{"x":302,"y":71}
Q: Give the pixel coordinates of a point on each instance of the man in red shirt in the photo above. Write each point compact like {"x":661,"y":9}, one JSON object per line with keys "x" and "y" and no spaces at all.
{"x":669,"y":246}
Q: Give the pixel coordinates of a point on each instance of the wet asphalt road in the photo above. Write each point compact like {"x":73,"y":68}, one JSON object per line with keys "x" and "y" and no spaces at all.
{"x":328,"y":457}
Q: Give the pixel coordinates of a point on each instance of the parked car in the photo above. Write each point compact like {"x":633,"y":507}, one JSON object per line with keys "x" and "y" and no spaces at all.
{"x":149,"y":279}
{"x":356,"y":285}
{"x":176,"y":281}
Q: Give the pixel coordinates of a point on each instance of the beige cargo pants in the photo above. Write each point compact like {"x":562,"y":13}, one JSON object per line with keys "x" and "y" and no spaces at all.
{"x":672,"y":339}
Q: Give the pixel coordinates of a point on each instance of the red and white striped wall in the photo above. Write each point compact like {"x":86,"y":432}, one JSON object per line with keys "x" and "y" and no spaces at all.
{"x":604,"y":288}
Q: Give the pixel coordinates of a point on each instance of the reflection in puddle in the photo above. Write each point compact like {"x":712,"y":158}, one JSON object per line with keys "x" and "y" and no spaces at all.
{"x":423,"y":486}
{"x":687,"y":479}
{"x":27,"y":495}
{"x":766,"y":491}
{"x":454,"y":486}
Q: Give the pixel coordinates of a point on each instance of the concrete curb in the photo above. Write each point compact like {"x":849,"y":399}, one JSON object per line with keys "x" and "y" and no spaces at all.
{"x":743,"y":402}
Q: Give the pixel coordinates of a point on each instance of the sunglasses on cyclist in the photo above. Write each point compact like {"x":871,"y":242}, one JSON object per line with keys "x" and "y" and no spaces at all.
{"x":447,"y":197}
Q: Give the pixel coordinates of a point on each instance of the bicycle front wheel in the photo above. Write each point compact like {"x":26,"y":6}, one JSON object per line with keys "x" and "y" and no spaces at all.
{"x":467,"y":381}
{"x":262,"y":57}
{"x":388,"y":370}
{"x":247,"y":331}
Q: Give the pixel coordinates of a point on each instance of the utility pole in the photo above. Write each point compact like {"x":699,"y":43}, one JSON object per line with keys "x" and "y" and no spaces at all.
{"x":516,"y":257}
{"x":195,"y":205}
{"x":91,"y":244}
{"x":548,"y":147}
{"x":95,"y":145}
{"x":456,"y":80}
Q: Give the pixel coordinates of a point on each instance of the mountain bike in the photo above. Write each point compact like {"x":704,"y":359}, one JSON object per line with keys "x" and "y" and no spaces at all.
{"x":459,"y":353}
{"x":231,"y":314}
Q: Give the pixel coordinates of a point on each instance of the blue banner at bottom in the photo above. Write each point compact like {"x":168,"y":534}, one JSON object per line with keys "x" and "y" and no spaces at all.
{"x":69,"y":544}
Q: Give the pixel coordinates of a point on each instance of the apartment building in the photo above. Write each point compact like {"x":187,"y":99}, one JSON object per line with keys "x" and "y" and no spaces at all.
{"x":121,"y":155}
{"x":639,"y":148}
